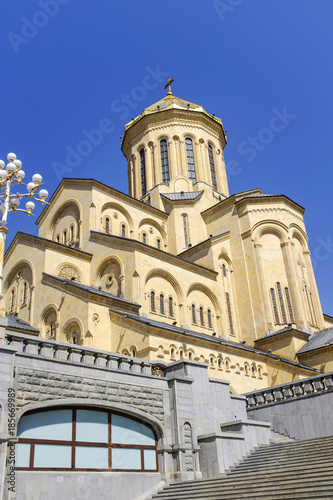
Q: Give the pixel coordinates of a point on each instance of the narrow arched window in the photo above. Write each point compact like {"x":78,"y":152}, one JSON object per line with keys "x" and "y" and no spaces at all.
{"x":201,"y":313}
{"x":224,"y":270}
{"x":190,"y":159}
{"x":52,"y":330}
{"x":220,"y":363}
{"x":165,"y":161}
{"x":123,"y":230}
{"x":144,"y":238}
{"x":278,"y":286}
{"x":58,"y":238}
{"x":291,"y":316}
{"x":71,"y":229}
{"x":161,"y":303}
{"x":190,"y":355}
{"x":107,"y":225}
{"x":181,"y":354}
{"x":170,"y":306}
{"x":65,"y":237}
{"x":152,"y":301}
{"x":158,"y":243}
{"x":12,"y":299}
{"x":229,"y":314}
{"x":24,"y":293}
{"x":211,"y":362}
{"x":185,"y":226}
{"x":276,"y":315}
{"x":143,"y":172}
{"x":212,"y":166}
{"x":194,"y":320}
{"x":209,"y":318}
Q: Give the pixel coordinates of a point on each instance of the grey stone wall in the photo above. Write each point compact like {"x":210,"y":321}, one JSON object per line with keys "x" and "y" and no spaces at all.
{"x":42,"y":385}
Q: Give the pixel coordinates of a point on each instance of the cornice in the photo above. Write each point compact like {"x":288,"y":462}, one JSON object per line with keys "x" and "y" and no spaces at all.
{"x":37,"y":241}
{"x":134,"y":245}
{"x":205,"y":244}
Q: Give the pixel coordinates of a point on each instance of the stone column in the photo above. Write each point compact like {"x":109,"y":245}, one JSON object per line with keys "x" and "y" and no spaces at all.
{"x":148,"y":165}
{"x":172,"y":157}
{"x":264,"y":293}
{"x":294,"y":291}
{"x":314,"y":289}
{"x":183,"y":160}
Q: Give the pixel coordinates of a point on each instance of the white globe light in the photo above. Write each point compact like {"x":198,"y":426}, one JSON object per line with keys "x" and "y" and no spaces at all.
{"x":30,"y":206}
{"x":2,"y":164}
{"x":11,"y":156}
{"x":18,"y":163}
{"x":20,"y":174}
{"x":10,"y":167}
{"x":37,"y":179}
{"x":3,"y":174}
{"x":43,"y":194}
{"x":31,"y":186}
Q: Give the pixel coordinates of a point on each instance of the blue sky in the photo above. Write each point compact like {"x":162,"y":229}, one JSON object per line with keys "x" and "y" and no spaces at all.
{"x":73,"y":66}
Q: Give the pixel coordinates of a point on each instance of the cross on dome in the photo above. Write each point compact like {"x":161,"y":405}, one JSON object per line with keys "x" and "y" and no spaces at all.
{"x":168,"y":84}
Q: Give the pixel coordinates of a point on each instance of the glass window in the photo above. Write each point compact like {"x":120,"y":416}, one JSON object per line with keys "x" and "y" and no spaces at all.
{"x":193,"y":314}
{"x":170,"y":306}
{"x":72,"y":233}
{"x":209,"y":318}
{"x":278,"y":286}
{"x":158,"y":243}
{"x":22,"y":455}
{"x":231,"y":325}
{"x":212,"y":166}
{"x":65,"y":237}
{"x":150,"y":459}
{"x":224,"y":271}
{"x":52,"y":456}
{"x":126,"y":458}
{"x":165,"y":161}
{"x":162,"y":303}
{"x":190,"y":159}
{"x":291,"y":316}
{"x":127,"y":431}
{"x":123,"y":230}
{"x":84,"y":438}
{"x":276,"y":315}
{"x":91,"y":457}
{"x":92,"y":424}
{"x":185,"y":229}
{"x":144,"y":238}
{"x":201,"y":316}
{"x":107,"y":224}
{"x":24,"y":293}
{"x":143,"y":172}
{"x":44,"y":425}
{"x":152,"y":301}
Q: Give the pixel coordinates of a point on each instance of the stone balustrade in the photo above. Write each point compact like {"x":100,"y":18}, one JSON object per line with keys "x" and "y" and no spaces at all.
{"x":292,"y":390}
{"x":72,"y":353}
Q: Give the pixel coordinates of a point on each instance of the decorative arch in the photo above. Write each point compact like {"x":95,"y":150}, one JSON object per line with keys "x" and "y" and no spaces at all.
{"x":204,"y":289}
{"x":69,"y":328}
{"x":270,"y":226}
{"x":161,"y":273}
{"x":49,"y":320}
{"x":121,"y":209}
{"x":156,"y":225}
{"x":68,"y":271}
{"x":60,"y":211}
{"x":18,"y":266}
{"x":299,"y":234}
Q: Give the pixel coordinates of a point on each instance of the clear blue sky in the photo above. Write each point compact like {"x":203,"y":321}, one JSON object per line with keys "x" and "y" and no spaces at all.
{"x":69,"y":64}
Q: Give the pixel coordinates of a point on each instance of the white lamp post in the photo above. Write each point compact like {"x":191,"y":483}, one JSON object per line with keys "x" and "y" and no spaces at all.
{"x":12,"y":173}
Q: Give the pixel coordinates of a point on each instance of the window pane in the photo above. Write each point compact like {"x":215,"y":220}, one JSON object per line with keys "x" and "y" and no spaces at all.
{"x":53,"y":455}
{"x":127,"y":431}
{"x":126,"y":458}
{"x":92,"y":426}
{"x":55,"y":424}
{"x":149,"y":457}
{"x":88,"y":457}
{"x":22,"y":455}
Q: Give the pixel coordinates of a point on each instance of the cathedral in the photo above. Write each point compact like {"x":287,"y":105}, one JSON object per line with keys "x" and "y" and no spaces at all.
{"x":177,"y":268}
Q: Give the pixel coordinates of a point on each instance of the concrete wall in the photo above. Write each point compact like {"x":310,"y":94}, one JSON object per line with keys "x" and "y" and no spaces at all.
{"x":301,"y":410}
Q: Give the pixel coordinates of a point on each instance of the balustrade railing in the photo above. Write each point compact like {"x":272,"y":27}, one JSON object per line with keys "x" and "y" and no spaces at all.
{"x":73,"y":353}
{"x":291,"y":390}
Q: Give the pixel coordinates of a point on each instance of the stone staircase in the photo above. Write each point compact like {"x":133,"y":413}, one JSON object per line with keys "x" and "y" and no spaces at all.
{"x":290,"y":470}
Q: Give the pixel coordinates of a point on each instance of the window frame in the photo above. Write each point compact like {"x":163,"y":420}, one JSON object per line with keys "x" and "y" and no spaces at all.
{"x":190,"y":160}
{"x":74,"y":444}
{"x":212,"y":166}
{"x":165,"y":161}
{"x":143,"y":171}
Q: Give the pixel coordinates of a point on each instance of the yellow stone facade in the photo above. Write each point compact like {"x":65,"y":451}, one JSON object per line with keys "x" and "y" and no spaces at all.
{"x":177,"y":268}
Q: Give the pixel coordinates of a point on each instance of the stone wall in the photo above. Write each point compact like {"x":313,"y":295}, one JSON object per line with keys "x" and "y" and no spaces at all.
{"x":300,"y":410}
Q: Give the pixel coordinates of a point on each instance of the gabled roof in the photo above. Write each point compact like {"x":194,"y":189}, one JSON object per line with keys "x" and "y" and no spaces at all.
{"x":319,"y":340}
{"x":182,"y":195}
{"x":15,"y":323}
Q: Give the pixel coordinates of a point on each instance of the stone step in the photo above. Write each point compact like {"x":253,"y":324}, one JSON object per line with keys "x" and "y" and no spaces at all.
{"x":316,"y":491}
{"x":325,"y":473}
{"x":283,"y":470}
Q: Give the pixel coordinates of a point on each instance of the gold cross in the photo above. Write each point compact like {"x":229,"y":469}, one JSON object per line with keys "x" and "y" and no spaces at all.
{"x":168,"y":84}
